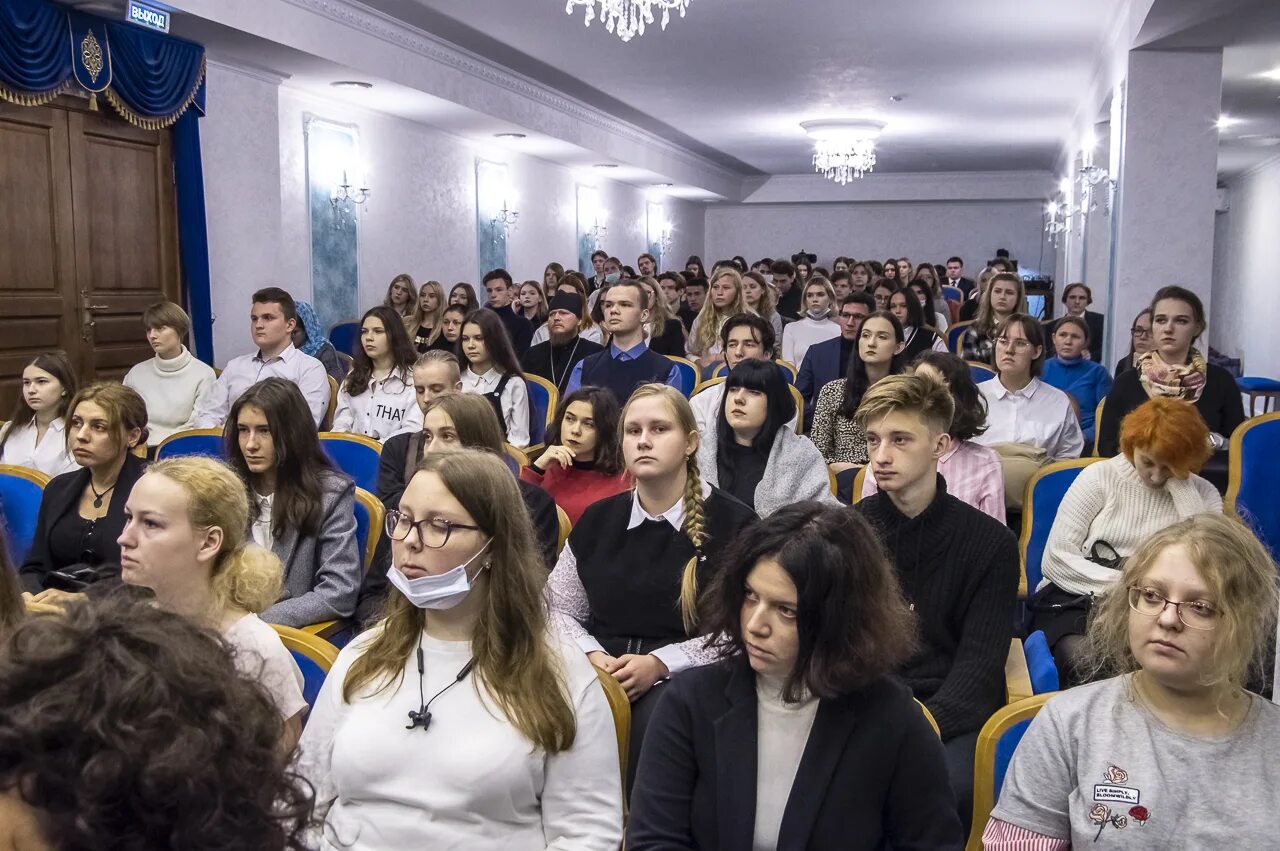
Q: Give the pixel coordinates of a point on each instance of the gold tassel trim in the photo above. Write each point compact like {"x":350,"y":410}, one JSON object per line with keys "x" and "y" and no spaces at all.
{"x":151,"y":122}
{"x":33,"y":98}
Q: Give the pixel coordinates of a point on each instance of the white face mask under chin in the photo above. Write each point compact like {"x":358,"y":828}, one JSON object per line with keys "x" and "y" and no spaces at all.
{"x":437,"y":591}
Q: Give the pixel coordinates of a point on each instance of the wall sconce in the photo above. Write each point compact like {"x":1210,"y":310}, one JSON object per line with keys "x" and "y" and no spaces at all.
{"x":505,"y":218}
{"x":598,"y":231}
{"x":345,"y":201}
{"x":664,"y":238}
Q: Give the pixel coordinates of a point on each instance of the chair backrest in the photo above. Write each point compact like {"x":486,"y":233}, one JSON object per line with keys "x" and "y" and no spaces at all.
{"x":1040,"y":664}
{"x":369,"y":515}
{"x":314,"y":656}
{"x":980,"y":372}
{"x":1017,"y":679}
{"x":955,"y":336}
{"x":799,"y":400}
{"x":1097,"y":421}
{"x":195,"y":441}
{"x":951,"y":293}
{"x":354,"y":454}
{"x":516,"y":459}
{"x":859,"y":482}
{"x":689,"y":374}
{"x":347,"y":361}
{"x":344,"y":336}
{"x":562,"y":519}
{"x":543,"y":401}
{"x":789,"y":370}
{"x":621,"y":709}
{"x":928,"y":716}
{"x":997,"y":741}
{"x":21,"y":490}
{"x":326,"y":422}
{"x":1044,"y":493}
{"x":1251,"y":490}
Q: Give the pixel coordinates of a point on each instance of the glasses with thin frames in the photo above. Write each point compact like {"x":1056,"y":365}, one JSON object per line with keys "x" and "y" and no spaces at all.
{"x":1017,"y":344}
{"x":1150,"y":603}
{"x":433,"y":532}
{"x":1140,"y":332}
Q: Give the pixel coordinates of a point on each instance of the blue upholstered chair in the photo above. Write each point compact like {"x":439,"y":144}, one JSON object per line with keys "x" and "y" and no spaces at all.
{"x":689,"y":380}
{"x":955,"y":333}
{"x":355,"y":455}
{"x":953,"y":294}
{"x":980,"y":372}
{"x":1256,"y":387}
{"x":314,"y":656}
{"x":1040,"y":664}
{"x":344,"y":336}
{"x":21,"y":490}
{"x":196,"y":441}
{"x":1251,"y":488}
{"x":544,"y":398}
{"x":1044,"y":494}
{"x":997,"y":741}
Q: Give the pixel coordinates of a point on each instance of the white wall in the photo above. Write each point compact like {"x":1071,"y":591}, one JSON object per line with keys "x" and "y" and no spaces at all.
{"x":1246,"y":312}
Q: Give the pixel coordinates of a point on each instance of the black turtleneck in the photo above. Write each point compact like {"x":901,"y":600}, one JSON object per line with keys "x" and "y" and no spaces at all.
{"x":959,"y":571}
{"x":554,"y":363}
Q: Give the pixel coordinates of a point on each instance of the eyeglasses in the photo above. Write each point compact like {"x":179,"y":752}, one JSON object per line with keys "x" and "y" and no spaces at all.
{"x":1018,"y":345}
{"x":1140,"y":332}
{"x":1150,"y":603}
{"x":433,"y":532}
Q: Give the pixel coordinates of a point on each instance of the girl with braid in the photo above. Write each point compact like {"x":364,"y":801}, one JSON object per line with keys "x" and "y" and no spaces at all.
{"x":626,"y":585}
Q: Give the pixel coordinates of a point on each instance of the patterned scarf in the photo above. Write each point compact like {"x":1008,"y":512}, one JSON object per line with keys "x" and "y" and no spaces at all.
{"x":1181,"y":381}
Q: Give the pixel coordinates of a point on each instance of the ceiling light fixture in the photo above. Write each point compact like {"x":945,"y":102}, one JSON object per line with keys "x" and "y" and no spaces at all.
{"x":843,"y":149}
{"x":605,"y":165}
{"x":513,"y":136}
{"x":627,"y":18}
{"x":352,"y":84}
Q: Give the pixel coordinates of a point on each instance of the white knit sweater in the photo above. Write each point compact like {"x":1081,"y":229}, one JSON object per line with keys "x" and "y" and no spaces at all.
{"x":1108,"y":502}
{"x":797,"y":337}
{"x":171,"y":388}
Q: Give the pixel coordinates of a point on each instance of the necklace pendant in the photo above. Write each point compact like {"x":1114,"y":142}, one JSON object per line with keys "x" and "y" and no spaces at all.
{"x":97,"y":502}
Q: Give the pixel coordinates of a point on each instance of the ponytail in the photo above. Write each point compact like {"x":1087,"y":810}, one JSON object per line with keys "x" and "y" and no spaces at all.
{"x":248,"y":578}
{"x":694,"y":528}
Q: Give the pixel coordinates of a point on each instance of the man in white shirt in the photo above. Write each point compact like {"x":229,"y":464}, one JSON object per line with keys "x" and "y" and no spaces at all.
{"x":743,"y":336}
{"x":271,"y":322}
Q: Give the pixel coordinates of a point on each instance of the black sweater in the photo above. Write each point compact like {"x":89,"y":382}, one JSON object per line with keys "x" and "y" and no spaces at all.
{"x":1219,"y":404}
{"x":959,"y":571}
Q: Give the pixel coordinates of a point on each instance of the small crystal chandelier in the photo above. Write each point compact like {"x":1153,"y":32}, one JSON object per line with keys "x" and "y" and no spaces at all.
{"x":627,"y":18}
{"x":843,"y":149}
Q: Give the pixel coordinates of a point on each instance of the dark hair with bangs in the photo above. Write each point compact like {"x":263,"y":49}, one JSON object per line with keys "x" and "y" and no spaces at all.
{"x":607,"y":418}
{"x":853,"y":622}
{"x":761,"y":376}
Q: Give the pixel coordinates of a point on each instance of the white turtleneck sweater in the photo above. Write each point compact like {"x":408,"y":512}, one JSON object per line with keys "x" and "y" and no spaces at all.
{"x":782,"y":733}
{"x":797,"y":337}
{"x":171,"y":388}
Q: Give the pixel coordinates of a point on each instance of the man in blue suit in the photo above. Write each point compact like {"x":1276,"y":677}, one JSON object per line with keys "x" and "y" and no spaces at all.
{"x":828,"y":360}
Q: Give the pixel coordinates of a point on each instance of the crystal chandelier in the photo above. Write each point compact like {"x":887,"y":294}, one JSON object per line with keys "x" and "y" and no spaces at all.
{"x":627,"y":18}
{"x":843,"y":149}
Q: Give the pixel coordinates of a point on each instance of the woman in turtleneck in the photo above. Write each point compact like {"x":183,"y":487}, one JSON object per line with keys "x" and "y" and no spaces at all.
{"x":172,"y":382}
{"x":1084,"y":380}
{"x":817,"y":324}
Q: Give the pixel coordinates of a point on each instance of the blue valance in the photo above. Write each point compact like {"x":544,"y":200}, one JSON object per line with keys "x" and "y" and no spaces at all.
{"x":46,"y":51}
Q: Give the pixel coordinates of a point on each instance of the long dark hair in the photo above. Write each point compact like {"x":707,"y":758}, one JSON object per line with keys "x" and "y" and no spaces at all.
{"x":915,"y":313}
{"x":702,"y":270}
{"x":300,"y":462}
{"x":403,"y":354}
{"x":853,"y":623}
{"x":473,"y":303}
{"x":59,"y":366}
{"x":855,"y":379}
{"x":606,"y":414}
{"x":970,"y":417}
{"x":496,"y":342}
{"x":930,"y":303}
{"x":765,"y":377}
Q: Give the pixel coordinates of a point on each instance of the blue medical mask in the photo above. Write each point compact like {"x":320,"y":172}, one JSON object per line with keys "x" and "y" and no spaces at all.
{"x":439,"y":591}
{"x":613,"y":277}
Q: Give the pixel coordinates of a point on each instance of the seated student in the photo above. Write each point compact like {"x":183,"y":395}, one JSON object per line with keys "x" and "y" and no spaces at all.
{"x":625,"y":587}
{"x":1111,"y":509}
{"x":492,"y":371}
{"x":377,"y":399}
{"x":555,"y":358}
{"x":752,"y":453}
{"x":628,"y":362}
{"x":500,"y":292}
{"x":827,"y":361}
{"x":465,"y":295}
{"x":35,"y":435}
{"x":745,"y":336}
{"x":759,"y":299}
{"x":1124,"y":762}
{"x":426,"y":324}
{"x":174,"y":747}
{"x":672,"y":286}
{"x":173,"y":382}
{"x":800,"y":736}
{"x":82,"y":513}
{"x":309,"y":338}
{"x":884,"y":288}
{"x":816,"y":326}
{"x":531,"y":304}
{"x":451,"y":328}
{"x":300,"y":507}
{"x":518,"y":736}
{"x":1003,"y":297}
{"x":1077,"y":298}
{"x":694,"y":296}
{"x":932,"y":306}
{"x":917,"y":335}
{"x":972,"y":472}
{"x":401,"y":297}
{"x":724,"y":299}
{"x":272,"y":322}
{"x":573,"y":284}
{"x":1176,"y":369}
{"x":958,"y":567}
{"x":840,"y":282}
{"x":1087,"y":381}
{"x":434,"y":374}
{"x":185,"y":539}
{"x":582,"y":463}
{"x":1139,"y":341}
{"x":835,"y":431}
{"x":666,"y":335}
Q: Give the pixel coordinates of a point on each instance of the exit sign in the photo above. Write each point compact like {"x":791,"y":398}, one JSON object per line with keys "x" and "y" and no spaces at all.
{"x":148,"y":16}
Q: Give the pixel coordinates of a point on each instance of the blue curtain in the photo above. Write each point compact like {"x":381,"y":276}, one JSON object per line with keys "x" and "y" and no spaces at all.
{"x":35,"y":57}
{"x":193,"y":235}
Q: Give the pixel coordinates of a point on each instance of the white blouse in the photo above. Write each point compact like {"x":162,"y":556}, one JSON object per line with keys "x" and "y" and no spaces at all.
{"x":49,"y":456}
{"x":514,"y":401}
{"x":470,"y":780}
{"x":386,"y":408}
{"x":1037,"y":415}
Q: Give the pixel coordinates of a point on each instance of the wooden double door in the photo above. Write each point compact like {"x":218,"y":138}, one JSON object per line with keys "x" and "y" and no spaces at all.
{"x":88,"y":239}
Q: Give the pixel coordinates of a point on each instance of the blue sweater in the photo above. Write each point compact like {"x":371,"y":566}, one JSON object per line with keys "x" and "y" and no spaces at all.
{"x":1085,"y":381}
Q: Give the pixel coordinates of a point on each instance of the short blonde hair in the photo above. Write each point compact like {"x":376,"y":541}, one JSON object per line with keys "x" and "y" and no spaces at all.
{"x":919,"y":394}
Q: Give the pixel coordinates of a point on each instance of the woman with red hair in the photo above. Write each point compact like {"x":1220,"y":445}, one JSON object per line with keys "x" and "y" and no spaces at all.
{"x":1111,"y":509}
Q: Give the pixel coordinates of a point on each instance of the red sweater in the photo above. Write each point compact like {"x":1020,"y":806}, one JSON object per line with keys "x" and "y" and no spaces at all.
{"x":574,"y":489}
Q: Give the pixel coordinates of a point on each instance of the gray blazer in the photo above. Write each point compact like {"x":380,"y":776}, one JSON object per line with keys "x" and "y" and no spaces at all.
{"x":794,"y":472}
{"x":322,"y":573}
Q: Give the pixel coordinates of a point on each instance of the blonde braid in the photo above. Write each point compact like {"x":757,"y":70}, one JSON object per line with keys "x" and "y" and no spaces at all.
{"x":694,"y":528}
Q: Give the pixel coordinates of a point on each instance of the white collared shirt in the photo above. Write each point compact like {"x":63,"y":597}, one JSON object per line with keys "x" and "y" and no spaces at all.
{"x":260,"y":528}
{"x":514,"y":401}
{"x":386,"y":408}
{"x":247,"y":370}
{"x":1037,"y":415}
{"x":673,"y":515}
{"x":49,"y":456}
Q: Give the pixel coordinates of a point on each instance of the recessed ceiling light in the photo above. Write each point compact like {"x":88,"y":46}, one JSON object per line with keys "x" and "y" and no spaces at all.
{"x":352,"y":84}
{"x":605,"y":165}
{"x":508,"y":135}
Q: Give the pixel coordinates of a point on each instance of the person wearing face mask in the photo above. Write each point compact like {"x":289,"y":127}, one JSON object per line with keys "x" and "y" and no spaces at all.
{"x":1111,"y":508}
{"x":462,"y":720}
{"x":826,"y":361}
{"x":799,"y":735}
{"x":35,"y":435}
{"x":626,"y":584}
{"x":745,"y":336}
{"x":173,"y":382}
{"x":377,"y":398}
{"x":613,"y":273}
{"x":1077,"y":298}
{"x":919,"y":337}
{"x":724,"y":299}
{"x":627,"y":362}
{"x":816,"y":326}
{"x":1071,"y":371}
{"x":583,"y":460}
{"x":751,"y":451}
{"x":1171,"y":750}
{"x":555,"y":357}
{"x":1003,"y":297}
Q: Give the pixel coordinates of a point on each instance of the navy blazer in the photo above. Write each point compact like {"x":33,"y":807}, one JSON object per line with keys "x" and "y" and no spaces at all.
{"x":821,"y":364}
{"x":873,"y":773}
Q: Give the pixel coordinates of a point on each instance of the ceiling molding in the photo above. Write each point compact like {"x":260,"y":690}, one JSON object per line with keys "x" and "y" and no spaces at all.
{"x":245,"y":69}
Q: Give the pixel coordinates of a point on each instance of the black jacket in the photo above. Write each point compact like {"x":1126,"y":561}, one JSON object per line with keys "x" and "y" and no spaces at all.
{"x":873,"y":772}
{"x":62,"y":495}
